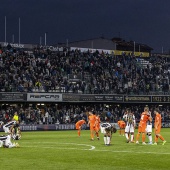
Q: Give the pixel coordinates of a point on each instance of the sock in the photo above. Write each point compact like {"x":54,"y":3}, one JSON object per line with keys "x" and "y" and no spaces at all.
{"x":92,"y":135}
{"x":150,"y":138}
{"x":108,"y":140}
{"x":1,"y":143}
{"x":127,"y":136}
{"x":11,"y":145}
{"x":97,"y":134}
{"x":120,"y":132}
{"x":137,"y":137}
{"x":156,"y":139}
{"x":161,"y":138}
{"x":143,"y":137}
{"x":147,"y":135}
{"x":78,"y":133}
{"x":105,"y":140}
{"x":132,"y":137}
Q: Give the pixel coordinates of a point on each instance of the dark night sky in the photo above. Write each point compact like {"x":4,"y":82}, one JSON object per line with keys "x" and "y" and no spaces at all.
{"x":144,"y":21}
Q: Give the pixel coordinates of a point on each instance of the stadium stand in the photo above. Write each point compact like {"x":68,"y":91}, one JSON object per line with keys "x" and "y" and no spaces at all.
{"x":82,"y":72}
{"x":74,"y":71}
{"x":70,"y":113}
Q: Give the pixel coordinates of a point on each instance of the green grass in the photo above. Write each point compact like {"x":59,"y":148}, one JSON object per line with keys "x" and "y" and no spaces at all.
{"x":64,"y":150}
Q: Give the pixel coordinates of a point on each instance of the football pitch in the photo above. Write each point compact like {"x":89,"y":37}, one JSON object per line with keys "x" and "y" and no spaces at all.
{"x":64,"y":150}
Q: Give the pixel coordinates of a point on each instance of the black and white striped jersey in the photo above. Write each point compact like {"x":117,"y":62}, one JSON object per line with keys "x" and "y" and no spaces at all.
{"x":3,"y":138}
{"x":9,"y":124}
{"x":129,"y":119}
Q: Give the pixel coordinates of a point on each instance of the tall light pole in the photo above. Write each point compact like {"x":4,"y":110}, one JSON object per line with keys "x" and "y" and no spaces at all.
{"x":12,"y":38}
{"x":5,"y":29}
{"x":19,"y":32}
{"x":40,"y":40}
{"x":134,"y":47}
{"x":45,"y":39}
{"x":67,"y":43}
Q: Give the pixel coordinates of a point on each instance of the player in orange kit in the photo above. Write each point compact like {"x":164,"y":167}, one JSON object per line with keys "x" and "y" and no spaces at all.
{"x":91,"y":123}
{"x":145,"y":116}
{"x":79,"y":125}
{"x":157,"y":125}
{"x":97,"y":125}
{"x":122,"y":125}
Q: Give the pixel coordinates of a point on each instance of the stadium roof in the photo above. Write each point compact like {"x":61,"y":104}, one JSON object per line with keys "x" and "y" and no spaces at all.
{"x":130,"y":44}
{"x":96,"y":43}
{"x":108,"y":44}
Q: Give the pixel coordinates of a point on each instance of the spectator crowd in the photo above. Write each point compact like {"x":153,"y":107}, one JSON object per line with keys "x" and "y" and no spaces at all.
{"x":71,"y":113}
{"x":43,"y":70}
{"x":93,"y":73}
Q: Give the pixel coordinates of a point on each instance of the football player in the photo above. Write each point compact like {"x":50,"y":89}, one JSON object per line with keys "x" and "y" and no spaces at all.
{"x":9,"y":126}
{"x":122,"y":126}
{"x":97,"y":125}
{"x":107,"y":129}
{"x":91,"y":124}
{"x":79,"y":125}
{"x":130,"y":125}
{"x":158,"y":124}
{"x":5,"y":141}
{"x":142,"y":125}
{"x":149,"y":129}
{"x":16,"y":132}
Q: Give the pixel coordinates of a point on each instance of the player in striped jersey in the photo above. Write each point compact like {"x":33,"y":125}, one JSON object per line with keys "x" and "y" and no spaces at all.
{"x":5,"y":141}
{"x":107,"y":129}
{"x":130,"y":125}
{"x":9,"y":126}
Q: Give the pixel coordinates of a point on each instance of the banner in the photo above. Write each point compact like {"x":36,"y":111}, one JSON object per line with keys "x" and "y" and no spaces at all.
{"x":92,"y":98}
{"x":111,"y":98}
{"x":91,"y":50}
{"x":44,"y":97}
{"x":45,"y":127}
{"x":164,"y":99}
{"x":12,"y":96}
{"x":137,"y":99}
{"x":71,"y":97}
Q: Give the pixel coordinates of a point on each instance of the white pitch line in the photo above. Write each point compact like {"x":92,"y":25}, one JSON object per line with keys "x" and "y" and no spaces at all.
{"x":91,"y":147}
{"x":61,"y":148}
{"x":158,"y":153}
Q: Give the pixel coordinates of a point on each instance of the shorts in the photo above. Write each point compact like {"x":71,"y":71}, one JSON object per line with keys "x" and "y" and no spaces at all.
{"x":122,"y":126}
{"x":96,"y":129}
{"x":6,"y":129}
{"x":78,"y":127}
{"x":149,"y":128}
{"x":142,"y":128}
{"x":129,"y":128}
{"x":92,"y":127}
{"x":158,"y":130}
{"x":102,"y":129}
